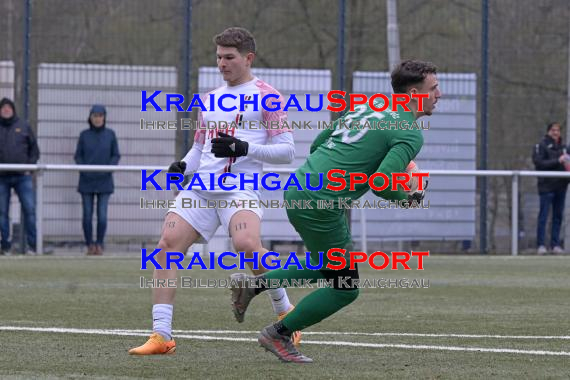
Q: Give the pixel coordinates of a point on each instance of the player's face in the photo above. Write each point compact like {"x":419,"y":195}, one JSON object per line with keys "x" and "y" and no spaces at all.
{"x":235,"y":68}
{"x":429,"y":86}
{"x":6,"y":111}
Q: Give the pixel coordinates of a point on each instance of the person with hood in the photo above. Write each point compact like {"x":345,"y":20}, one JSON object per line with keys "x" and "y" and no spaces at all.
{"x":549,"y":155}
{"x":17,"y":146}
{"x":97,"y":145}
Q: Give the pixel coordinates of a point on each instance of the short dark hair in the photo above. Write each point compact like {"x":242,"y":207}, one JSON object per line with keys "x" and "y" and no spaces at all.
{"x":240,"y":38}
{"x":409,"y":73}
{"x":550,"y":125}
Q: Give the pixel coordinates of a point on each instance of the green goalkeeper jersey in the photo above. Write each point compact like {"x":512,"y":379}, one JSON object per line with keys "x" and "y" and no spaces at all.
{"x":363,"y":141}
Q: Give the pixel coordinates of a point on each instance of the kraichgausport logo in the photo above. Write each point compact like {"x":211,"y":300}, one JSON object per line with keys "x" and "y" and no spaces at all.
{"x":271,"y":103}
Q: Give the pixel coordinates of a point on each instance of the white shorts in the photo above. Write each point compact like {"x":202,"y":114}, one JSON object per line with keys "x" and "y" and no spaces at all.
{"x":200,"y":209}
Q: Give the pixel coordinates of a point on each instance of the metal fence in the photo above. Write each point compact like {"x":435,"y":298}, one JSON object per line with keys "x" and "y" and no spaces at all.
{"x":362,"y":237}
{"x":517,"y":51}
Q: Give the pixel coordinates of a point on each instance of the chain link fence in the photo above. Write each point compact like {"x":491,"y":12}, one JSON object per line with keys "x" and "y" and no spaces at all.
{"x":58,"y":57}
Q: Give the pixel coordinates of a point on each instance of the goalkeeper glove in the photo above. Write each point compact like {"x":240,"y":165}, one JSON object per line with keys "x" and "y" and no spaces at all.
{"x":418,"y":195}
{"x":229,"y":146}
{"x":177,"y":167}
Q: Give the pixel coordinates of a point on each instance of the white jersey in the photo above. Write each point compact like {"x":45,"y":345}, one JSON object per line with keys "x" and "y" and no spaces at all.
{"x":242,"y":125}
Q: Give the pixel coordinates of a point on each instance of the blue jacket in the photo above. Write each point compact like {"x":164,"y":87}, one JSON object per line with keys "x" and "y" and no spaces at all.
{"x":97,"y":146}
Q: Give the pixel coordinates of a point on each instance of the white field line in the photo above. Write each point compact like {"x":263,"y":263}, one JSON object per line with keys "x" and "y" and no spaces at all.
{"x":553,"y":337}
{"x":327,"y":343}
{"x":467,"y":336}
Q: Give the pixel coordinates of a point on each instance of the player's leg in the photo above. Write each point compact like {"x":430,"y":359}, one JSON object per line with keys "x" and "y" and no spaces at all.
{"x":328,"y":230}
{"x":320,"y":230}
{"x":182,"y":227}
{"x":245,"y":229}
{"x":177,"y":236}
{"x":324,"y":302}
{"x":312,"y":309}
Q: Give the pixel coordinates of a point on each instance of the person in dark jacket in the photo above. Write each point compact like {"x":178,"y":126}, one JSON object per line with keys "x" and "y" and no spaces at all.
{"x":17,"y":146}
{"x":96,"y":146}
{"x":549,"y":155}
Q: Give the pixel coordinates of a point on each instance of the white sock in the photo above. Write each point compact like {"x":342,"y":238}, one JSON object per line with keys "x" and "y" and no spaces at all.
{"x":162,"y":320}
{"x":279,"y":300}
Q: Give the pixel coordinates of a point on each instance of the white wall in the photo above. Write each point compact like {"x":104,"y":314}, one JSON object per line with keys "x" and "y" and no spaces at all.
{"x":66,"y":93}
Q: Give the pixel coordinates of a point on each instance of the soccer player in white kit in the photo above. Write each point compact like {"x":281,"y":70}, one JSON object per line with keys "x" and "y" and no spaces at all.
{"x":241,"y":149}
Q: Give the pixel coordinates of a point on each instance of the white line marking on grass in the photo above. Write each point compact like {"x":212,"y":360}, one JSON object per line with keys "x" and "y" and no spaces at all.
{"x":561,"y":337}
{"x":443,"y":348}
{"x":348,"y":333}
{"x":475,"y":336}
{"x":324,"y":343}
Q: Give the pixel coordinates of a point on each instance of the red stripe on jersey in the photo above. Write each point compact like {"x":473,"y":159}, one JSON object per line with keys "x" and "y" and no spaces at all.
{"x":239,"y":123}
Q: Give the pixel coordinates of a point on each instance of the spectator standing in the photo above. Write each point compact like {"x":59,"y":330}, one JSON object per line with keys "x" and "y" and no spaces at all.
{"x":550,"y":155}
{"x":97,"y":145}
{"x":17,"y":146}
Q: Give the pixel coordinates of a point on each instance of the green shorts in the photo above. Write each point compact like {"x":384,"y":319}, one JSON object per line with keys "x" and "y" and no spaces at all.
{"x":320,"y":229}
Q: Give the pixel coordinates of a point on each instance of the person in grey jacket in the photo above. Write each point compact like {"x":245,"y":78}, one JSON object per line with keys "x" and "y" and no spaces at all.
{"x":17,"y":146}
{"x":97,"y":145}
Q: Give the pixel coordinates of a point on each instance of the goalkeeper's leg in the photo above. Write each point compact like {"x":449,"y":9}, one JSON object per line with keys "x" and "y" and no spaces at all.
{"x":321,"y":303}
{"x":312,"y":309}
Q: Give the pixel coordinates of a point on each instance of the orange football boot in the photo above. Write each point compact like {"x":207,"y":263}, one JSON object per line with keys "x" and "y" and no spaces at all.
{"x":155,"y":345}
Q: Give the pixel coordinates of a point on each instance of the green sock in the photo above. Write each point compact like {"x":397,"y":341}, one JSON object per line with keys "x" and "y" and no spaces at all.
{"x":317,"y":306}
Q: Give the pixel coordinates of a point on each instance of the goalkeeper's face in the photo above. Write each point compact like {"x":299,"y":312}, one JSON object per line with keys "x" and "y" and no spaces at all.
{"x":235,"y":67}
{"x":429,"y":86}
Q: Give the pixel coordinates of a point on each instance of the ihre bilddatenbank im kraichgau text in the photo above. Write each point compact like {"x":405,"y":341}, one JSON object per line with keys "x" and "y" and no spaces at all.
{"x":191,"y":125}
{"x":272,"y":182}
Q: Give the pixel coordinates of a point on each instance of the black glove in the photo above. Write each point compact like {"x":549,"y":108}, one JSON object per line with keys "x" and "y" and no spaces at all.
{"x":418,"y":195}
{"x":177,"y":167}
{"x":229,"y":146}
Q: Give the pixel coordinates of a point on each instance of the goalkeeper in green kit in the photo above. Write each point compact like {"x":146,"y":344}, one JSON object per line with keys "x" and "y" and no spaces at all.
{"x":384,"y":147}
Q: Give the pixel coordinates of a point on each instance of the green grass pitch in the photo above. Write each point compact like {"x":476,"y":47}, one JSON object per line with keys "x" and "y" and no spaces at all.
{"x":485,"y":317}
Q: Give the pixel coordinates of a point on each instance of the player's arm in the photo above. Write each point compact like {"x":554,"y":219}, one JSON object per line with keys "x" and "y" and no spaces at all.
{"x":191,"y":162}
{"x":280,"y":151}
{"x":282,"y":147}
{"x":396,"y":160}
{"x":321,"y":138}
{"x":192,"y":158}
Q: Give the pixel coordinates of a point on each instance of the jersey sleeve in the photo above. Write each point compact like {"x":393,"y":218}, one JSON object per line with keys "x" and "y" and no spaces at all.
{"x":193,"y":156}
{"x":321,"y":138}
{"x":280,"y":151}
{"x":200,"y":134}
{"x":276,"y":118}
{"x":403,"y":150}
